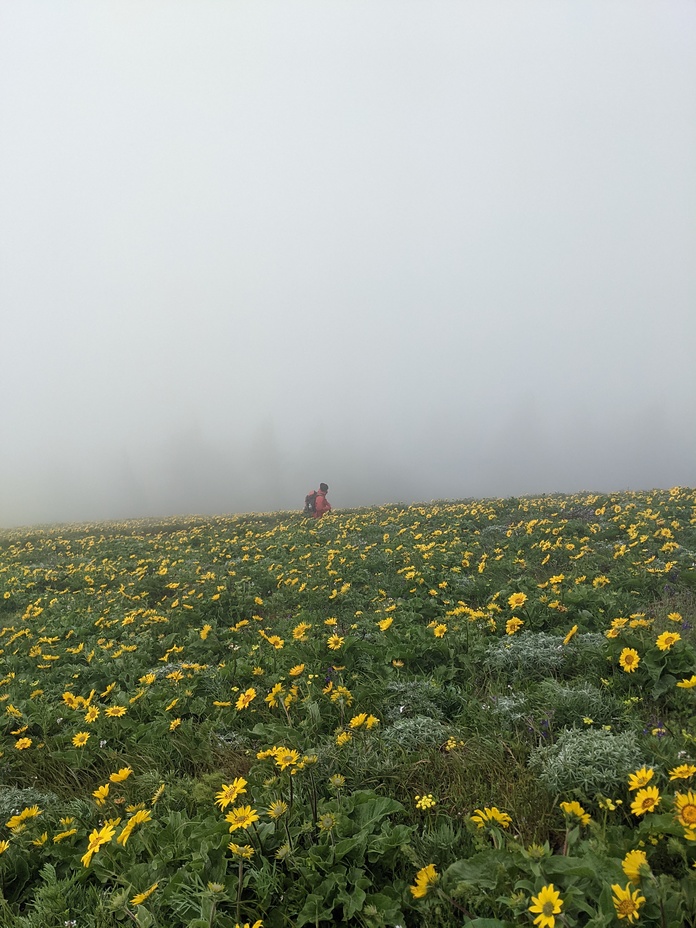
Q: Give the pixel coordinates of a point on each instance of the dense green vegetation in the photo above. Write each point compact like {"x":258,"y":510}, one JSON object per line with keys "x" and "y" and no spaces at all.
{"x":460,"y":713}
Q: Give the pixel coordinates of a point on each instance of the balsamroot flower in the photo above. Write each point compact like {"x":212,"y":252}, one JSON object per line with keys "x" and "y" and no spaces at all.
{"x":98,"y":838}
{"x":626,"y":902}
{"x":667,"y":640}
{"x":547,"y":904}
{"x":685,"y":807}
{"x":138,"y":818}
{"x":647,"y":800}
{"x":682,"y":772}
{"x":629,"y":659}
{"x":575,"y":810}
{"x":121,"y":775}
{"x":141,"y":897}
{"x":635,"y":865}
{"x":426,"y":878}
{"x":241,"y":817}
{"x":491,"y":816}
{"x":640,"y":778}
{"x":228,"y":794}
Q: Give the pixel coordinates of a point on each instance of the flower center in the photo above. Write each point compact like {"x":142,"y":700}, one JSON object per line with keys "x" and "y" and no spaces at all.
{"x":689,"y":814}
{"x":626,"y":907}
{"x":547,"y":908}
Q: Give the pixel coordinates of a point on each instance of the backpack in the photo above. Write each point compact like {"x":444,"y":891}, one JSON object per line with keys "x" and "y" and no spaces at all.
{"x":310,"y":503}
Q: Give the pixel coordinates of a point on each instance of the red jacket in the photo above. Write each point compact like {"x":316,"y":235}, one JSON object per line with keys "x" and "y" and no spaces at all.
{"x":322,"y":505}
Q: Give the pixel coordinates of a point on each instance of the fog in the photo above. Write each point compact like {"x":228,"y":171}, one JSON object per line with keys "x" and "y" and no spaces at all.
{"x":415,"y":250}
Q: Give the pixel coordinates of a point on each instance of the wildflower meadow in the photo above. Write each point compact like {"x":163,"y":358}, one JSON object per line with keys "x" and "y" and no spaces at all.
{"x":461,"y":713}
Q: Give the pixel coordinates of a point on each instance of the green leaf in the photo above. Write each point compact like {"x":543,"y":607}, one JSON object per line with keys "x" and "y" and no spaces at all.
{"x":480,"y":870}
{"x":313,"y":911}
{"x":352,"y":898}
{"x":569,"y":866}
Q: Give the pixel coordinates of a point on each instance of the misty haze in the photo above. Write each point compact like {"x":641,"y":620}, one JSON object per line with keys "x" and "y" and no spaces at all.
{"x":417,"y":251}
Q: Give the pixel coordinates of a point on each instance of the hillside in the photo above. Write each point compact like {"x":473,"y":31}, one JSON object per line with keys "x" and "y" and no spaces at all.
{"x":475,"y":712}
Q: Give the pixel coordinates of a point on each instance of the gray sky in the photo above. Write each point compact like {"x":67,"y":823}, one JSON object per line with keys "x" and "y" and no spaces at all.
{"x":414,"y":249}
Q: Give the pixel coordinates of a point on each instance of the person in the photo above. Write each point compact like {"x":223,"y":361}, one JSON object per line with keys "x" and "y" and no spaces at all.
{"x":321,"y":505}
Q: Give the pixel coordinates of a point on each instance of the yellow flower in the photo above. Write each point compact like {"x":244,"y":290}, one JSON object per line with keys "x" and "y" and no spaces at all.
{"x":667,"y":639}
{"x":296,"y":670}
{"x":646,"y":800}
{"x":688,"y":682}
{"x":626,"y":902}
{"x":4,"y":846}
{"x":493,"y":815}
{"x":246,"y":698}
{"x":335,"y":642}
{"x":241,"y":817}
{"x":635,"y":865}
{"x":100,"y":794}
{"x":141,"y":897}
{"x":570,"y":634}
{"x":64,"y":834}
{"x":174,"y":724}
{"x":513,"y":625}
{"x":299,"y":632}
{"x":23,"y":743}
{"x":440,"y":630}
{"x":92,"y":714}
{"x":426,"y":801}
{"x":277,"y":808}
{"x":685,"y":807}
{"x":517,"y":600}
{"x":547,"y":904}
{"x":115,"y":712}
{"x":682,"y":772}
{"x":358,"y":720}
{"x":274,"y":697}
{"x":629,"y":659}
{"x":122,"y":775}
{"x":674,"y":616}
{"x":241,"y":850}
{"x":343,"y":738}
{"x":426,"y":878}
{"x":21,"y":817}
{"x":286,"y":757}
{"x":137,"y":819}
{"x":640,"y":778}
{"x":575,"y":810}
{"x":97,"y":839}
{"x":228,"y":794}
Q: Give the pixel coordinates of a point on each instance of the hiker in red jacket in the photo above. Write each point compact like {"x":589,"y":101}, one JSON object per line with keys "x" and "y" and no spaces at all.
{"x":321,"y":504}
